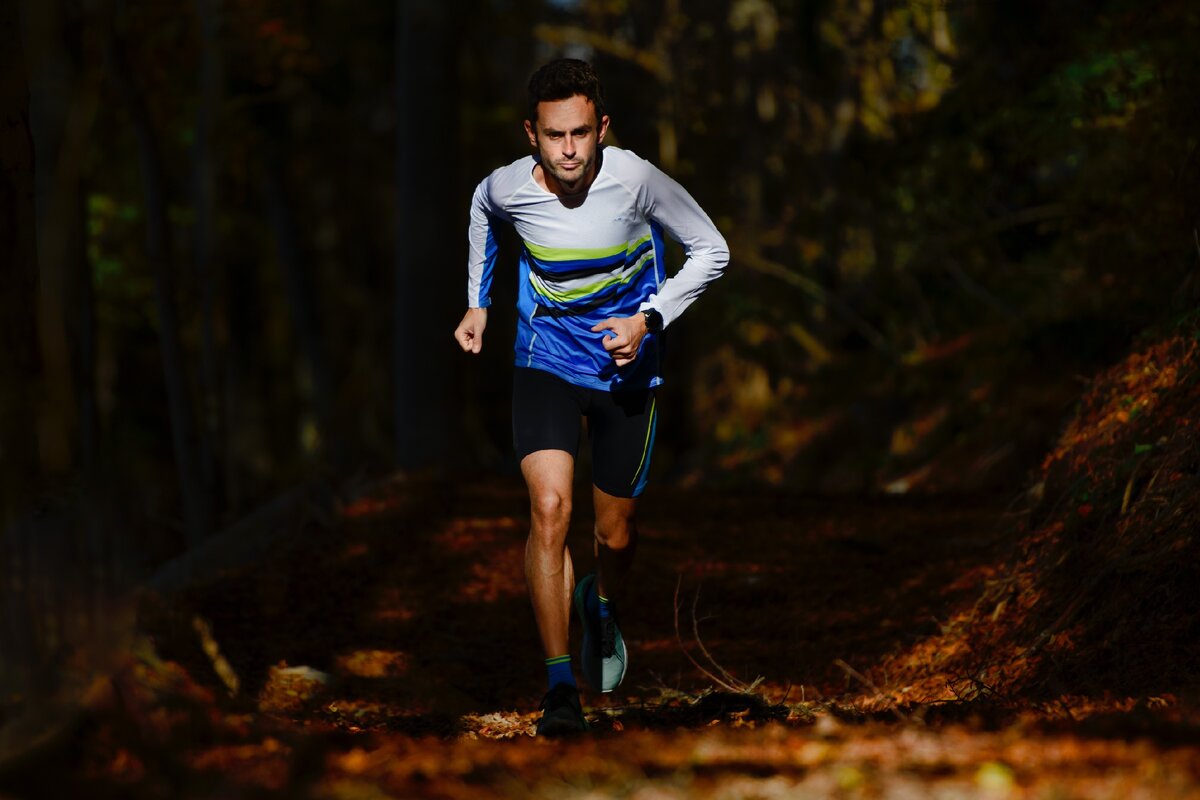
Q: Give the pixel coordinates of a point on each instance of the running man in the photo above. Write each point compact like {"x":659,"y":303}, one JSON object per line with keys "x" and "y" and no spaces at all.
{"x":593,"y":303}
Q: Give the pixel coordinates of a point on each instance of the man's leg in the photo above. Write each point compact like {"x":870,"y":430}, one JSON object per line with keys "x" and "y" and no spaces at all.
{"x":548,"y":570}
{"x":550,"y":578}
{"x":615,"y":541}
{"x":604,"y":657}
{"x":546,"y":424}
{"x":621,"y":429}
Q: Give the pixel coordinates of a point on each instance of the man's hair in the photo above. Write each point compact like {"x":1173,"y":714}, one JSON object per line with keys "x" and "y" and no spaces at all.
{"x":561,"y":79}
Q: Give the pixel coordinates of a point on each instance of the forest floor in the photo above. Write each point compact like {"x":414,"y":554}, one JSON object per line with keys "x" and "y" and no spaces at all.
{"x":392,"y":654}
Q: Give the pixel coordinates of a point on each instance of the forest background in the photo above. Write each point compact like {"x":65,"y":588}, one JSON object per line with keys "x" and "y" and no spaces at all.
{"x":234,"y":249}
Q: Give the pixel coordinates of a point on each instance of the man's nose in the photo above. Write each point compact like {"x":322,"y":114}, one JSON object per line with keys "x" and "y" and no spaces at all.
{"x":568,"y":145}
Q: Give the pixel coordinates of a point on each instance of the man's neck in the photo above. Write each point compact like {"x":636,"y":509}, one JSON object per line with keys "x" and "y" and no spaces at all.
{"x":552,"y":185}
{"x":555,"y":187}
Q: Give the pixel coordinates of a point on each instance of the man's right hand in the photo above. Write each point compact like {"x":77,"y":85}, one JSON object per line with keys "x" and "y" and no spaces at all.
{"x":469,"y":333}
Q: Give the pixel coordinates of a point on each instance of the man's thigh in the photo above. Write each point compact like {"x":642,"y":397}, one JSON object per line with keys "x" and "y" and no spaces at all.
{"x":546,"y":413}
{"x":621,"y":428}
{"x":548,"y":475}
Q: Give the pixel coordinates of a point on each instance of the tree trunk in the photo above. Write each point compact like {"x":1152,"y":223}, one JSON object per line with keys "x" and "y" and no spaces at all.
{"x":65,"y":96}
{"x":51,"y":76}
{"x":20,"y":367}
{"x":197,"y":512}
{"x":315,"y":383}
{"x":204,"y":243}
{"x":82,"y":331}
{"x":426,"y":304}
{"x":246,"y":401}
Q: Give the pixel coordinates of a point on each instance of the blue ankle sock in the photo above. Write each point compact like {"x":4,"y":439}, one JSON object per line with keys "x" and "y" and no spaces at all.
{"x":558,"y":670}
{"x":605,"y":607}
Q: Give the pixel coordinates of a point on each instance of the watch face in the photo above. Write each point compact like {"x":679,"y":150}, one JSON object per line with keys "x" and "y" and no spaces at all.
{"x":653,"y":320}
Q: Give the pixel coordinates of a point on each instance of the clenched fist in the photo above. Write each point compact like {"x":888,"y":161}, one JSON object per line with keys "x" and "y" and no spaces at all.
{"x":469,"y":333}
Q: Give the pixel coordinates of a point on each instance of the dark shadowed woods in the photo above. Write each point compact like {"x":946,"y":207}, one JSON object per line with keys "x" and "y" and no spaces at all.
{"x":922,"y":505}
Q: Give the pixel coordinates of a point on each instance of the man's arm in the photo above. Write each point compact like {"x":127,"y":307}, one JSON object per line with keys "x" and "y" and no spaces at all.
{"x":481,"y":263}
{"x":706,"y":254}
{"x":668,"y":204}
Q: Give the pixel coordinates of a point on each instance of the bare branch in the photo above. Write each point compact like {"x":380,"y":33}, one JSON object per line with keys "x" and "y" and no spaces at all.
{"x":751,"y":258}
{"x":571,"y":34}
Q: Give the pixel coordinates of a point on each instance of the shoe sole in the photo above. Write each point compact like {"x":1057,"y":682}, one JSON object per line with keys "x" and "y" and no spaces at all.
{"x":561,"y":728}
{"x":624,"y":664}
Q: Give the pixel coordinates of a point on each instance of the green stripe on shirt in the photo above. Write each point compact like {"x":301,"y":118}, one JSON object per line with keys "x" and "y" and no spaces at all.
{"x":543,"y":253}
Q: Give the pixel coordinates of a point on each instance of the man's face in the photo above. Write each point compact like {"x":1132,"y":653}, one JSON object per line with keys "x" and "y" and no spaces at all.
{"x":566,"y":136}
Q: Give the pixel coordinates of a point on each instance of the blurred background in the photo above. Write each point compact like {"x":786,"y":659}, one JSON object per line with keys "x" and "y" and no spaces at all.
{"x":234,"y":248}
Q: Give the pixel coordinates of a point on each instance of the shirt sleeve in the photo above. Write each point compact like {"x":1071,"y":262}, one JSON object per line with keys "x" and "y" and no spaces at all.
{"x":481,"y":235}
{"x":669,"y":205}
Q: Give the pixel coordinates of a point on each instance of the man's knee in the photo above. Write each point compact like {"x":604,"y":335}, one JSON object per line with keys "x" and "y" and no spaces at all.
{"x":615,"y":531}
{"x":551,"y":512}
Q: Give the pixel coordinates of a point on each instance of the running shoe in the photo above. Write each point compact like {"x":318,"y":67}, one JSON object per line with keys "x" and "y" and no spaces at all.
{"x":562,"y":715}
{"x":603,"y":659}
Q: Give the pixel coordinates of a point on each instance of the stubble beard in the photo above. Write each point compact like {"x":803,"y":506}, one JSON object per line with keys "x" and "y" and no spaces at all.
{"x":571,"y":181}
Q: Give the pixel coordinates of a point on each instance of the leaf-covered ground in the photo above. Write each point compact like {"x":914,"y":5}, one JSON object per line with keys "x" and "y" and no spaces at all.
{"x":1100,"y":596}
{"x":393,"y":655}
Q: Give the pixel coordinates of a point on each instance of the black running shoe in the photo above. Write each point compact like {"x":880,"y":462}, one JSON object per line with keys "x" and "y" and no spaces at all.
{"x":562,"y":715}
{"x":603,"y":658}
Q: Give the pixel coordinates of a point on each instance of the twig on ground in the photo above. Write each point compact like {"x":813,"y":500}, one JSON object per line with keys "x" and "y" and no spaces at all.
{"x":727,"y":681}
{"x":696,"y":634}
{"x":220,"y":664}
{"x":1127,"y":495}
{"x":987,"y":690}
{"x":853,"y":673}
{"x":683,"y":647}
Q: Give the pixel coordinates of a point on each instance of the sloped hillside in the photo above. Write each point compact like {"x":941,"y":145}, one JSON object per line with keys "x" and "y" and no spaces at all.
{"x":1101,"y":594}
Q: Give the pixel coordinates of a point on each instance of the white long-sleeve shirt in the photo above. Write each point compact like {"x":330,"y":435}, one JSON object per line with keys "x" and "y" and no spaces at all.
{"x":582,"y":263}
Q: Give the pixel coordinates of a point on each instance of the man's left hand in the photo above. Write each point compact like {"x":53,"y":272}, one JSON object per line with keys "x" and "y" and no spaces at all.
{"x":629,"y":334}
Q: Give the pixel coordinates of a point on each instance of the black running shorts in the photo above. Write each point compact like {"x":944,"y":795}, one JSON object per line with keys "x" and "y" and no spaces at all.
{"x":547,"y":412}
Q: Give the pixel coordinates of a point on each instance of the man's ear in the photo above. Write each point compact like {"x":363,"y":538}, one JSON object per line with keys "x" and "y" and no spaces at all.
{"x":531,"y":132}
{"x":603,"y":128}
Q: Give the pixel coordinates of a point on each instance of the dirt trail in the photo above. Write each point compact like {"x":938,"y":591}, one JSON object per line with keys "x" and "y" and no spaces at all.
{"x":396,"y":656}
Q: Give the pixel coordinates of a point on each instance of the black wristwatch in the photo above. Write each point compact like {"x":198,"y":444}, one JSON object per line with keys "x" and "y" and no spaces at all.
{"x":653,"y":320}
